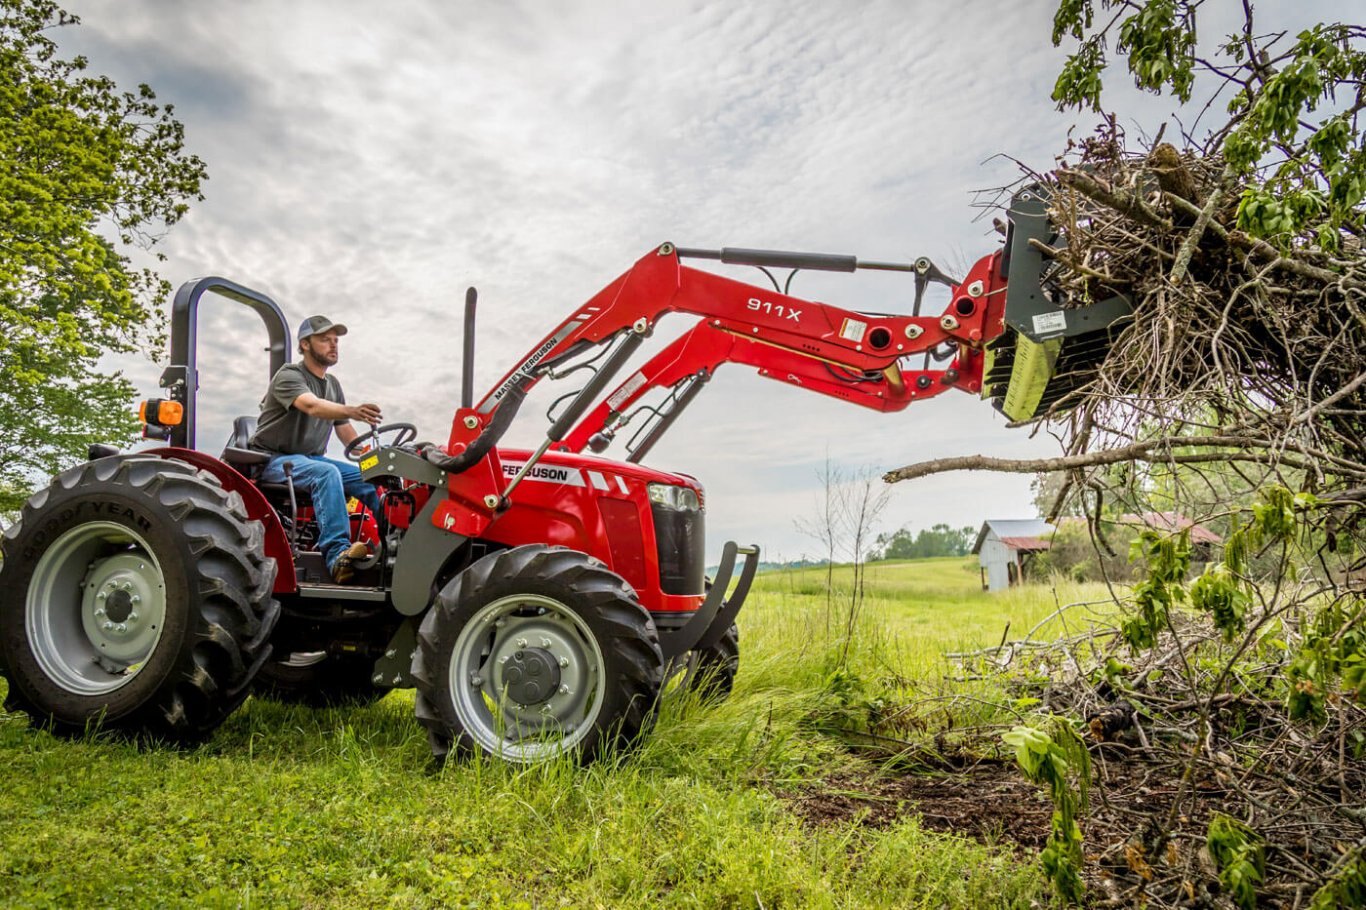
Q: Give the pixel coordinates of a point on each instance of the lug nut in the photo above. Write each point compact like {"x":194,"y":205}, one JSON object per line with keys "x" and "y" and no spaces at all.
{"x":108,"y":626}
{"x":132,"y":617}
{"x":476,"y":680}
{"x":99,"y":611}
{"x":136,"y":599}
{"x":564,"y":690}
{"x":564,"y":661}
{"x":521,"y":642}
{"x":545,"y":642}
{"x":122,"y":627}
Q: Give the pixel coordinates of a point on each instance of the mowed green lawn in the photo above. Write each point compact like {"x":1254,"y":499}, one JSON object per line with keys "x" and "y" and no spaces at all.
{"x":342,"y":808}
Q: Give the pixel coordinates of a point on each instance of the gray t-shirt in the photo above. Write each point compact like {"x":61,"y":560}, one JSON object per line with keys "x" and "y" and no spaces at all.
{"x":282,"y":428}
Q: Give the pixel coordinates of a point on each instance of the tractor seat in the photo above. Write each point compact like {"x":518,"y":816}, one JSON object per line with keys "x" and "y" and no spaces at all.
{"x":237,"y":453}
{"x":250,"y":462}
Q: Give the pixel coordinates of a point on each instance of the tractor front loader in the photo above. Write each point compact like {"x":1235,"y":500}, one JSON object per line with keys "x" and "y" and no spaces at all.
{"x":538,"y":600}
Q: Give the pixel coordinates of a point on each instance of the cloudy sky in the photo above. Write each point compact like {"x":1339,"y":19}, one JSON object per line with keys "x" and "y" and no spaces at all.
{"x":370,"y":161}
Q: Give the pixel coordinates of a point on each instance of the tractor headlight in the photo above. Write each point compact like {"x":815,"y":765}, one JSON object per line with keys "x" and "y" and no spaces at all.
{"x":681,"y":499}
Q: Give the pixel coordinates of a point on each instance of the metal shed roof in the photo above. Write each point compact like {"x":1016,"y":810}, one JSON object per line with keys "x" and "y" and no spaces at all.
{"x":1035,"y":530}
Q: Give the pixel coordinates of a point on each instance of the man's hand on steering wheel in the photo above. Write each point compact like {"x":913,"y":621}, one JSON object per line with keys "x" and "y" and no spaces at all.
{"x":365,"y":413}
{"x":406,"y":433}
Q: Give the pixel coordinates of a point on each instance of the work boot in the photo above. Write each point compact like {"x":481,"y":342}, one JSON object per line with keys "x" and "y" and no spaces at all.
{"x":342,"y":570}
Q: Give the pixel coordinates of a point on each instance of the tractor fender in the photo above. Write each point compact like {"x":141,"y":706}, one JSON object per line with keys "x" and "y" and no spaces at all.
{"x":258,"y":509}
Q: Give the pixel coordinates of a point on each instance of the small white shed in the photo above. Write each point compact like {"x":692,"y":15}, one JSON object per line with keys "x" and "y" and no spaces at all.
{"x":1003,"y":547}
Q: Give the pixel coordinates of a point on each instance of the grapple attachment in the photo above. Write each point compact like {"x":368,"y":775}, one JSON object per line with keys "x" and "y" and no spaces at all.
{"x":1049,"y":346}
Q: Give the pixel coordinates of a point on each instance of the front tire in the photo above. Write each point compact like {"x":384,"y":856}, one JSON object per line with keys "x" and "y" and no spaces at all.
{"x":711,"y":671}
{"x":536,"y":652}
{"x":135,"y":596}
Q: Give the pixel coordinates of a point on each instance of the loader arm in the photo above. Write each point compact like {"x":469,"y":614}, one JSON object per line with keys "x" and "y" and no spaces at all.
{"x":1006,"y":335}
{"x":691,"y":360}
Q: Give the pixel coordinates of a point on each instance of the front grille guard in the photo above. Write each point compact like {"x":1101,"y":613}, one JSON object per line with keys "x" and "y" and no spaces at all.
{"x":718,"y":611}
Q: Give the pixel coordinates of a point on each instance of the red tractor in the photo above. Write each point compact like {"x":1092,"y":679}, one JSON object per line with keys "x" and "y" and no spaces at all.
{"x":537,"y":600}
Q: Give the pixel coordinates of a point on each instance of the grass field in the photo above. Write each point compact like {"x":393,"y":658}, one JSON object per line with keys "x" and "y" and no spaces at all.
{"x":293,"y":807}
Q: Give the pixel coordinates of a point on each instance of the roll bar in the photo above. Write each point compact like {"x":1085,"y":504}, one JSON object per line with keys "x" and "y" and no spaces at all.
{"x":181,"y":378}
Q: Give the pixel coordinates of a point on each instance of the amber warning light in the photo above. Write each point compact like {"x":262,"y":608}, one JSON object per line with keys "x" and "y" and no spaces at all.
{"x":160,"y":413}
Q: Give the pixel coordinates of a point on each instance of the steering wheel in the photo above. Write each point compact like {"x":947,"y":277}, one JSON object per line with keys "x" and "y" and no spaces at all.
{"x":406,"y":433}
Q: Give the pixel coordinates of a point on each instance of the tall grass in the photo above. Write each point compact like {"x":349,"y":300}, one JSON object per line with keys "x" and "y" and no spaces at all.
{"x":342,"y":807}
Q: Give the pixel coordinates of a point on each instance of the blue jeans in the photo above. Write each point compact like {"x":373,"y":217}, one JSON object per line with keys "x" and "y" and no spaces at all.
{"x":329,"y":482}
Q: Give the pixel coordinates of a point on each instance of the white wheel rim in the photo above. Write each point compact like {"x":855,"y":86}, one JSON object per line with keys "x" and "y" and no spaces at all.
{"x":486,"y":644}
{"x":96,"y":608}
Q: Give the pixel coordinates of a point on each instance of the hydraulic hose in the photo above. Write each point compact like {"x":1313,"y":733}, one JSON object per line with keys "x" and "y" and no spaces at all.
{"x":474,"y":453}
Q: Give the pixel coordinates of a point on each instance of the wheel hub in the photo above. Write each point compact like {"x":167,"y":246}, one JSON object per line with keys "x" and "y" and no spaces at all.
{"x":123,"y":607}
{"x":531,"y":676}
{"x":118,"y":605}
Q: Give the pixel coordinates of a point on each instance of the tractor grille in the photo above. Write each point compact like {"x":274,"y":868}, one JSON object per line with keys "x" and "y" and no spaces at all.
{"x":680,"y":536}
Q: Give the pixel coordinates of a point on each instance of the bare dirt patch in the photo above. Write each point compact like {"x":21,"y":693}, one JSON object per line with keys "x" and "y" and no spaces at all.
{"x":988,"y":802}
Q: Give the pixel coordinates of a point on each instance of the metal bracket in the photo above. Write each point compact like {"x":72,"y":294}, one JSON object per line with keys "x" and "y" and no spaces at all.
{"x":395,"y":668}
{"x":421,"y":554}
{"x":392,"y":462}
{"x":1028,"y":309}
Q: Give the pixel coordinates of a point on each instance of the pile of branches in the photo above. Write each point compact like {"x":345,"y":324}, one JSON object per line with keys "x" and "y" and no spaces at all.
{"x":1197,"y":765}
{"x":1241,"y":353}
{"x":1239,"y":350}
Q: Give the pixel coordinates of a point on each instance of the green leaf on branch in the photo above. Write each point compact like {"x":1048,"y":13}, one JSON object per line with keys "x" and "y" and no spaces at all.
{"x":1238,"y":854}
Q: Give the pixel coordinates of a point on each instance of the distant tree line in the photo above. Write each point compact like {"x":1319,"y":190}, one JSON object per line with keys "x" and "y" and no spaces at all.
{"x":939,"y":540}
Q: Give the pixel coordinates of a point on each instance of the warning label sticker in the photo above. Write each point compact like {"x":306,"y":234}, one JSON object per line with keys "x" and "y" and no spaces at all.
{"x":628,"y":388}
{"x":1050,"y":322}
{"x":853,"y":330}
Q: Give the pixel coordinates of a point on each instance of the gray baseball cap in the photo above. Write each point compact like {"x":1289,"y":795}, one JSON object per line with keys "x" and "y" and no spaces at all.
{"x":316,"y":325}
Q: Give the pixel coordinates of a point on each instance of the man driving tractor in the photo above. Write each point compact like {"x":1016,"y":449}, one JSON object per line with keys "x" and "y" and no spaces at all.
{"x":298,"y":413}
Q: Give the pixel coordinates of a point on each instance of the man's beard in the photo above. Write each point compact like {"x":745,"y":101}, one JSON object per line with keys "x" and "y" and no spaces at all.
{"x":323,"y":358}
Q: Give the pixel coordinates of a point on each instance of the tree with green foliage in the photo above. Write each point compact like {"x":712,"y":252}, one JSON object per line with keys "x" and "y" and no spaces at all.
{"x":928,"y":543}
{"x":87,"y":172}
{"x":1292,"y":130}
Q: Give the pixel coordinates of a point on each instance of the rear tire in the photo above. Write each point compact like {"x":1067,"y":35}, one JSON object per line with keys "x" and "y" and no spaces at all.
{"x":536,"y":652}
{"x":135,"y":596}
